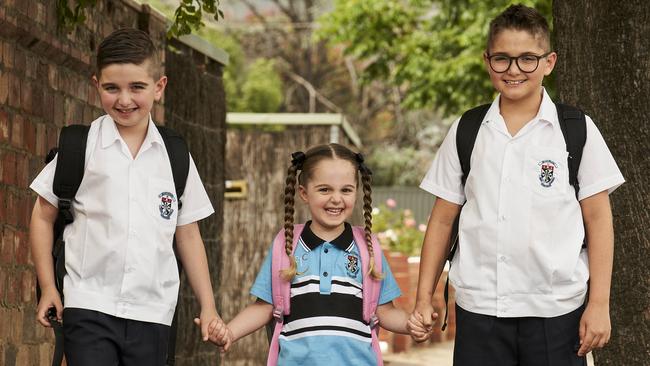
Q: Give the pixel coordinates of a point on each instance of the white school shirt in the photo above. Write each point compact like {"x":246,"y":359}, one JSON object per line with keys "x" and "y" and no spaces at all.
{"x":119,"y":256}
{"x":521,"y":229}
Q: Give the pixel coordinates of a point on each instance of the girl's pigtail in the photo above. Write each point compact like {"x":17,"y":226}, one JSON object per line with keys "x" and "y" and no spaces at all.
{"x":289,"y":194}
{"x":366,"y":179}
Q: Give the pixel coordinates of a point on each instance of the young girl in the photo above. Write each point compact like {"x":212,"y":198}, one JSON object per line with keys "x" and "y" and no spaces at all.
{"x":327,"y":324}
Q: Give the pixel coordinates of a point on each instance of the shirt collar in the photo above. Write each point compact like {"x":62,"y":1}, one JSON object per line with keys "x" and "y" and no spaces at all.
{"x":546,"y":113}
{"x":343,"y":241}
{"x":110,"y":134}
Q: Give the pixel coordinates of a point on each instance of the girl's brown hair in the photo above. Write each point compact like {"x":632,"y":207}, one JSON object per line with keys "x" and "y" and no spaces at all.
{"x":306,"y":163}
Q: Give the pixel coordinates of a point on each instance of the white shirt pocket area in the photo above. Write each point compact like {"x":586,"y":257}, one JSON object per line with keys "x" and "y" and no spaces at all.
{"x":162,"y":201}
{"x":546,"y":172}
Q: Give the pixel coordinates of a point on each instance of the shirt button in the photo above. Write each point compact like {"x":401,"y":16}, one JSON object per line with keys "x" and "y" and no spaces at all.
{"x":503,"y":217}
{"x":324,"y":274}
{"x":326,"y":250}
{"x":502,"y":258}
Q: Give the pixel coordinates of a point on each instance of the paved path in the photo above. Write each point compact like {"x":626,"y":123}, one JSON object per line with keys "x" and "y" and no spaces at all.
{"x":439,"y":354}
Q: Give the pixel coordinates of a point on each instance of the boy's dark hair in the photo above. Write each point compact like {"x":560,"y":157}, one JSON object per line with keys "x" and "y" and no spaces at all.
{"x":306,"y":163}
{"x":521,"y":17}
{"x":128,"y":46}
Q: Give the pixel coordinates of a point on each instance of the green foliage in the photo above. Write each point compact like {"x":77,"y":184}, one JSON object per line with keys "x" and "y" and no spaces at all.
{"x":397,"y":229}
{"x":249,"y":88}
{"x":189,"y":15}
{"x":234,"y":75}
{"x":262,"y":90}
{"x":397,"y":166}
{"x":70,"y":18}
{"x":431,"y":49}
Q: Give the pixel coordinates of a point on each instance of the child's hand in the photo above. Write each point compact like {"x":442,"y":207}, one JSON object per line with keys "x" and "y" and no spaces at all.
{"x":595,"y":328}
{"x":50,"y":299}
{"x":416,"y":328}
{"x":218,"y":333}
{"x":427,"y":313}
{"x":207,"y":322}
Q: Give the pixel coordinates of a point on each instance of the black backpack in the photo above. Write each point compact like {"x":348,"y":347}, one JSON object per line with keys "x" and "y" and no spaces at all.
{"x":574,"y":129}
{"x":71,"y":158}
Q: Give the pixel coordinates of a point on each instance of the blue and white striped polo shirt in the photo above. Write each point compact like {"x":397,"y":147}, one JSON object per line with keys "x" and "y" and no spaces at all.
{"x":326,"y":324}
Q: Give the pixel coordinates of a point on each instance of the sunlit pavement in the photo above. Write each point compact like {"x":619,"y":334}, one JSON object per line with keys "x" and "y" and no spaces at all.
{"x":439,"y":354}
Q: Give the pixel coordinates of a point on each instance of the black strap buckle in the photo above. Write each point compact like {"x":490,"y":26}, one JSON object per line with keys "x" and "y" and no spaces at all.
{"x":65,"y":210}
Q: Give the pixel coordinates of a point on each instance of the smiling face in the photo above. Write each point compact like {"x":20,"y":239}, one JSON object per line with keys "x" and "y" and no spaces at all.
{"x":127,"y":92}
{"x":513,"y":84}
{"x":330,"y":192}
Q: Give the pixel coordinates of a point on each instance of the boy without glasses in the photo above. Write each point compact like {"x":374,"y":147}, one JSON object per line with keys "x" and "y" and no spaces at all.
{"x":122,"y":279}
{"x":521,"y":271}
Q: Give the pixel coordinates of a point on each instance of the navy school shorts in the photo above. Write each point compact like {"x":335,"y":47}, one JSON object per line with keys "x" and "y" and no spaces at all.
{"x":483,"y":340}
{"x":97,"y":339}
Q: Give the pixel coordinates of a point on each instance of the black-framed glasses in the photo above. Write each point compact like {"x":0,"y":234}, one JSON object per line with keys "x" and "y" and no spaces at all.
{"x":526,"y":63}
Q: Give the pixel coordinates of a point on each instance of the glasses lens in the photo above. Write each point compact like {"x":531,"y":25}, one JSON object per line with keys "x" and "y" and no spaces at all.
{"x":499,"y":63}
{"x":527,"y":63}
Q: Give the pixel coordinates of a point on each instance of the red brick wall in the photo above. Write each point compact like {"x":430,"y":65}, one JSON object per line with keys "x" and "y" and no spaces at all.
{"x":44,"y":85}
{"x":406,"y":275}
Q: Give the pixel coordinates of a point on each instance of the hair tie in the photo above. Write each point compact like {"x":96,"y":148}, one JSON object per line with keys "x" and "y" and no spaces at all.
{"x":362,"y":167}
{"x":297,"y":158}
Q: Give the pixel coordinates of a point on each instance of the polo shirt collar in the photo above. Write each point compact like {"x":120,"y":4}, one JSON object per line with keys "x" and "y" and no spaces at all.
{"x":343,"y":241}
{"x":547,"y":112}
{"x":110,"y":134}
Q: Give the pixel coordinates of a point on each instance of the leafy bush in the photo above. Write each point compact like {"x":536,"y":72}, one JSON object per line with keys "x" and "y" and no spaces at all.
{"x":397,"y":229}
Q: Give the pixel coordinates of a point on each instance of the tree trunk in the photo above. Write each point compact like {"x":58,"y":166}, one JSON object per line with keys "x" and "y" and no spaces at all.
{"x":604,"y":68}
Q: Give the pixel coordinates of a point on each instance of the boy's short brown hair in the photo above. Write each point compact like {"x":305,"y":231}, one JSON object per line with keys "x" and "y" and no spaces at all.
{"x":521,"y":17}
{"x":128,"y":46}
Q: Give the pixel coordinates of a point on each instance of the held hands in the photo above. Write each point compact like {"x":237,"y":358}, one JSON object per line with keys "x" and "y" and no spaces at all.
{"x":420,"y":323}
{"x":595,"y":328}
{"x":50,"y":299}
{"x":215,"y":330}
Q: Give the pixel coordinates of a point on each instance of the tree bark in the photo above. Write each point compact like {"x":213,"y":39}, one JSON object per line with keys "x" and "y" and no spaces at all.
{"x":604,"y":68}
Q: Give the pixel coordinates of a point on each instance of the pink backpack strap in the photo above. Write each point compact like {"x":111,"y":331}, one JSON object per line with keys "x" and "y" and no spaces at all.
{"x":370,"y":286}
{"x":280,"y":289}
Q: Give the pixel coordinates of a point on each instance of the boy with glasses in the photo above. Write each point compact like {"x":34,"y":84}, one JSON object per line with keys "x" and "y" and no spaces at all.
{"x":521,"y":271}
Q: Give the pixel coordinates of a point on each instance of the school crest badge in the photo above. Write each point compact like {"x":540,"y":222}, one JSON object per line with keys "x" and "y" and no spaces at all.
{"x":165,"y":206}
{"x":547,"y":171}
{"x":352,"y":265}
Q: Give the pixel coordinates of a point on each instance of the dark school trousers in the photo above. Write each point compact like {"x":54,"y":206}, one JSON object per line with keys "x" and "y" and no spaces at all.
{"x":97,"y":339}
{"x":483,"y":340}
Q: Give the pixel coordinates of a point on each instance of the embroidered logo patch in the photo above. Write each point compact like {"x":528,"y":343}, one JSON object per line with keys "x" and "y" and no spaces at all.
{"x":546,"y":174}
{"x":353,"y":265}
{"x":165,"y":206}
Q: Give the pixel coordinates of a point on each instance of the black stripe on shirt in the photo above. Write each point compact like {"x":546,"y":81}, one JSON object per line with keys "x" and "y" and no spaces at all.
{"x":314,"y":305}
{"x":326,"y":327}
{"x":346,"y":284}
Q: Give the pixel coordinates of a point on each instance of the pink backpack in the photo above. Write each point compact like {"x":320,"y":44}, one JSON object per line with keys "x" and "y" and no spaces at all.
{"x":281,"y":288}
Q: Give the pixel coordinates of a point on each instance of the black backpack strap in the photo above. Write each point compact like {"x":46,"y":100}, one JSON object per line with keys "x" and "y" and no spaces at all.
{"x":70,"y":165}
{"x":179,"y":158}
{"x":466,"y":132}
{"x":574,"y":128}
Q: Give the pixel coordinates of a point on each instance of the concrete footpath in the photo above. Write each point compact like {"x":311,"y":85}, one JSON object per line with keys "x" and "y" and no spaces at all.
{"x":438,"y":354}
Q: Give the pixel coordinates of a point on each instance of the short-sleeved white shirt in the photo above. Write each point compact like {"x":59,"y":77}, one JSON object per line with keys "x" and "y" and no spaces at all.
{"x":521,"y":229}
{"x":119,"y":254}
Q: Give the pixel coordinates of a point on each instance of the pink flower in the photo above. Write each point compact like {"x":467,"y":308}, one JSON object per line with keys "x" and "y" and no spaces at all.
{"x":422,"y":227}
{"x":408,"y":212}
{"x":391,"y":203}
{"x":409,"y":222}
